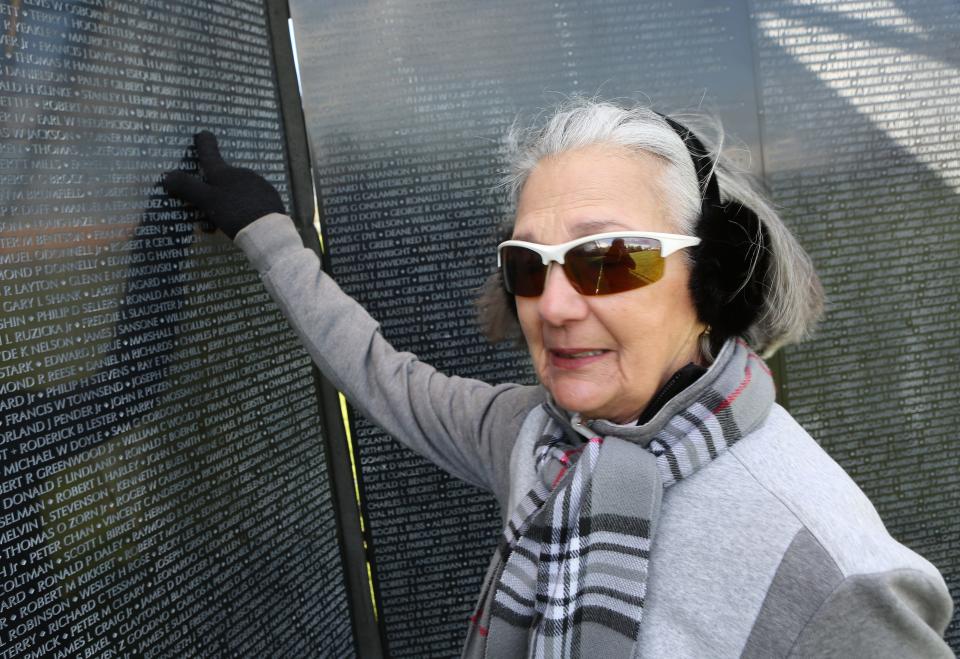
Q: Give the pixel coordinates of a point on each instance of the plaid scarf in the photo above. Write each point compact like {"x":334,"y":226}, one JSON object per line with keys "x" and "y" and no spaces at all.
{"x":570,"y":572}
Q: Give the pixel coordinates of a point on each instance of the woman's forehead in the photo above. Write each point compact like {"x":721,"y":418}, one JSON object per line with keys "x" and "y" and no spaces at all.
{"x":591,"y":190}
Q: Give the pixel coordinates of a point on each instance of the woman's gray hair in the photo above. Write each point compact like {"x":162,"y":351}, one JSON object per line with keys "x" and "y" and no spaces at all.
{"x":794,"y":298}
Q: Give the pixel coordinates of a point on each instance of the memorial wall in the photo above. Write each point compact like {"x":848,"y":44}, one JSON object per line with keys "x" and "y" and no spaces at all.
{"x":164,"y":487}
{"x":847,"y":109}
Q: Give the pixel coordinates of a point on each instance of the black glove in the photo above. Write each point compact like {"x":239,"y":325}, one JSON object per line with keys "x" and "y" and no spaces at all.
{"x":232,"y":197}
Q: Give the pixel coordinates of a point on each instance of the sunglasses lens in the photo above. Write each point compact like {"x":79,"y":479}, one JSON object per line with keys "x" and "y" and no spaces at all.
{"x":613,"y":265}
{"x":523,"y":271}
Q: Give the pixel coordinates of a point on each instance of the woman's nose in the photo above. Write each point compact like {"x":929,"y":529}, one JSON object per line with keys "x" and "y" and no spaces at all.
{"x":560,"y":302}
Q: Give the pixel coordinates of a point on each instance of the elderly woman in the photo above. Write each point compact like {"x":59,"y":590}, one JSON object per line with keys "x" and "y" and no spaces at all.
{"x":658,"y":501}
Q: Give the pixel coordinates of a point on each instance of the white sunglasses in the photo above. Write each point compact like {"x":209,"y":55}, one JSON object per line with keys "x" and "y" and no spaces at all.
{"x":599,"y":264}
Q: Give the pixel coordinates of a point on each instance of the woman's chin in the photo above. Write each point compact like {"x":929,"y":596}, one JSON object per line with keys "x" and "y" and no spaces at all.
{"x":593,"y":401}
{"x":585,"y":400}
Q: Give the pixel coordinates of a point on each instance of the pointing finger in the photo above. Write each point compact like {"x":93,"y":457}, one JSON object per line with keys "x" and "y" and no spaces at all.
{"x":208,"y":152}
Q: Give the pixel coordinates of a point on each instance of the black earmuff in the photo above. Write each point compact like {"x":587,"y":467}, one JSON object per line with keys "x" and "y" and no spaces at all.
{"x":731,"y":263}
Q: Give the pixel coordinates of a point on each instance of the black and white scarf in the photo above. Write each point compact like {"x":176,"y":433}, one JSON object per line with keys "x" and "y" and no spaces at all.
{"x":570,"y":573}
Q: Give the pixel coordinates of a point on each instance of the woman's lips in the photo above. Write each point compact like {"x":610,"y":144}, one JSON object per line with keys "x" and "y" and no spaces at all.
{"x":573,"y":358}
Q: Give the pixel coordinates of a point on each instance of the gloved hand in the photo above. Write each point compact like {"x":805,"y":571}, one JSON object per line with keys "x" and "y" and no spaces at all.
{"x":232,"y":197}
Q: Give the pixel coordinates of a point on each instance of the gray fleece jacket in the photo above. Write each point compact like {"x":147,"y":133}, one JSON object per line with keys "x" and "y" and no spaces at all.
{"x":769,"y":551}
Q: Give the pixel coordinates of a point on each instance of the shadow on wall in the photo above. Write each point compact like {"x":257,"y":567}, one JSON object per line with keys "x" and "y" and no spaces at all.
{"x":859,"y":153}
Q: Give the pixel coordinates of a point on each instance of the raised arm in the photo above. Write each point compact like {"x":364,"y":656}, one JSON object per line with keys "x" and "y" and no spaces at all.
{"x":465,"y":426}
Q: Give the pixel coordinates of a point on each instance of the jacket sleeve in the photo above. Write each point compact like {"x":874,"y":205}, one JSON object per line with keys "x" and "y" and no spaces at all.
{"x":898,"y":613}
{"x":465,"y":426}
